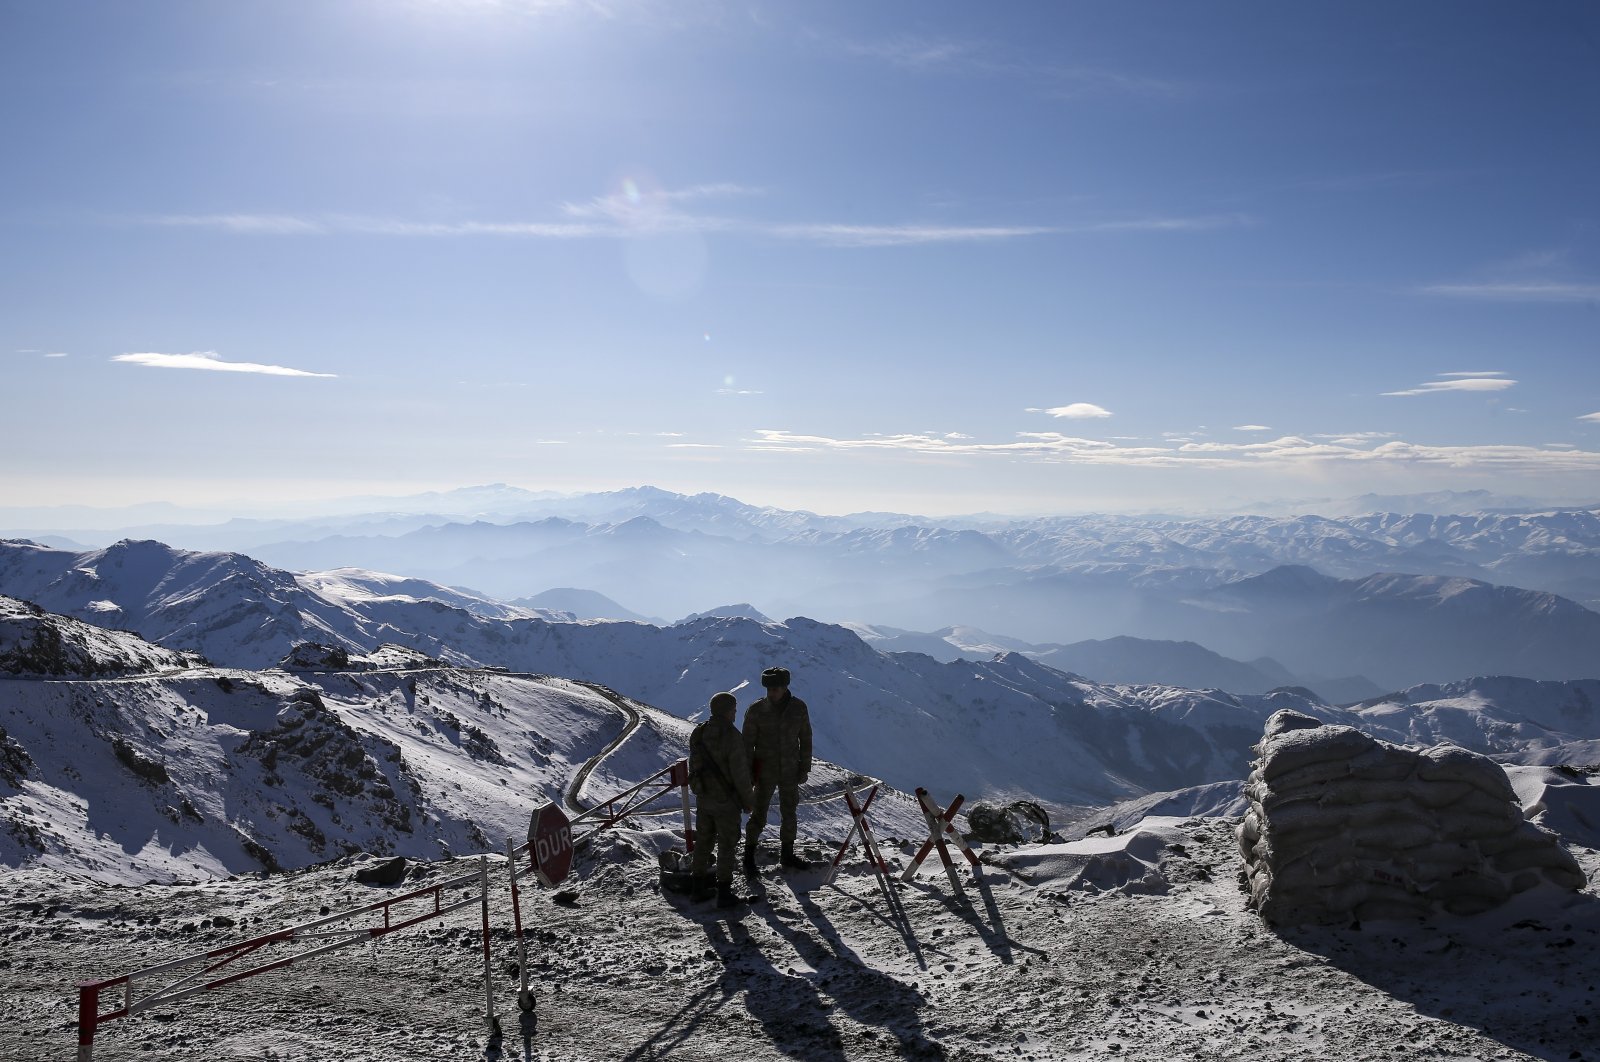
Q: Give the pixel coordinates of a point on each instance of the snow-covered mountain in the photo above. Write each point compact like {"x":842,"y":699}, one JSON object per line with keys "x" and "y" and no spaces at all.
{"x":1394,"y":629}
{"x":201,"y":771}
{"x":235,"y":760}
{"x":39,"y":643}
{"x":1119,"y":660}
{"x":581,"y":604}
{"x":1009,"y":723}
{"x":237,"y":611}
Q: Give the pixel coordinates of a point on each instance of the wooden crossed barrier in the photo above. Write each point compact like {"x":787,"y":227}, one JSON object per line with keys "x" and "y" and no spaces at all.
{"x":941,"y":834}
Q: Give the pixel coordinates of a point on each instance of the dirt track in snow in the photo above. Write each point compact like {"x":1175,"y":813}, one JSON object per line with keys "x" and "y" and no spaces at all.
{"x":819,"y":972}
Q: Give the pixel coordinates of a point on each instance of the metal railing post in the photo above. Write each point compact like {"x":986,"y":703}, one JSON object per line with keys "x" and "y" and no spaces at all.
{"x":88,"y":1018}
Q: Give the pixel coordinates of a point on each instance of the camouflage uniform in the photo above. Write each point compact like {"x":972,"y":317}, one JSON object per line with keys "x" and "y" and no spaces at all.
{"x":719,"y":774}
{"x":778,"y":739}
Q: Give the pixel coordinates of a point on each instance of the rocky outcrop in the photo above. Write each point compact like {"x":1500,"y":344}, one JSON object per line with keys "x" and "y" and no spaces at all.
{"x":36,"y":642}
{"x":1019,"y":822}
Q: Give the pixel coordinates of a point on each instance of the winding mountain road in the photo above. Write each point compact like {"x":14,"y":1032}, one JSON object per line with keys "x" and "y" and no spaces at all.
{"x":574,"y":789}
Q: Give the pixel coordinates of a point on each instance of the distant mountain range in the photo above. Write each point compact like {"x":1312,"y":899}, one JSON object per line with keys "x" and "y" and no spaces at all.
{"x":1395,"y":630}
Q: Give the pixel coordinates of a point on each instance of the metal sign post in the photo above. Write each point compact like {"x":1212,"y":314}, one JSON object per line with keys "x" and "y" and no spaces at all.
{"x":550,"y":844}
{"x":680,"y":778}
{"x":491,"y":1023}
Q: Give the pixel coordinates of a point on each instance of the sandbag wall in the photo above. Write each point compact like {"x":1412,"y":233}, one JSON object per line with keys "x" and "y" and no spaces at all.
{"x":1342,"y":826}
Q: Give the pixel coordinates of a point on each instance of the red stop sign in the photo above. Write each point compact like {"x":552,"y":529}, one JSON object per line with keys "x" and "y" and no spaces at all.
{"x":550,"y":844}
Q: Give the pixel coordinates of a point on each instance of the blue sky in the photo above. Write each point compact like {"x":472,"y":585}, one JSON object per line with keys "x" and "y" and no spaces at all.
{"x":928,"y":257}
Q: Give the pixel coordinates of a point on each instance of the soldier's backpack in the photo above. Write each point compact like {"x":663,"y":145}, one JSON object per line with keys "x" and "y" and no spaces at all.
{"x":700,"y":765}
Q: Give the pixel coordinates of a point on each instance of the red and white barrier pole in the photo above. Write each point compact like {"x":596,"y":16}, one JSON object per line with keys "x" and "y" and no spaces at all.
{"x":680,"y":778}
{"x":940,"y":834}
{"x":88,"y":1018}
{"x":524,"y":997}
{"x":858,"y":813}
{"x":491,"y":1027}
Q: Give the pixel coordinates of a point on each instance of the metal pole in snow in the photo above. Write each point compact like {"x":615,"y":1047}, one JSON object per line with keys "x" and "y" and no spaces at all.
{"x":524,"y":997}
{"x":88,"y":1019}
{"x":678,"y":775}
{"x":491,"y":1025}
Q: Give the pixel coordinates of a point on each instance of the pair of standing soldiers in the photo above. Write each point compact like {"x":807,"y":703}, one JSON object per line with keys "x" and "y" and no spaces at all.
{"x":732,"y":772}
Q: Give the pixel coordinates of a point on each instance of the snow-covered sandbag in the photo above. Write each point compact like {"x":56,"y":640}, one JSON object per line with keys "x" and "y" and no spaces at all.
{"x":1341,"y":826}
{"x":1296,"y":749}
{"x":1451,"y":763}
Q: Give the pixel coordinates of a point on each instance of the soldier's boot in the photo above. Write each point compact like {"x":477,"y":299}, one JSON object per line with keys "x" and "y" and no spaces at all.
{"x":789,"y":859}
{"x":704,"y":887}
{"x":726,"y":897}
{"x":750,"y":861}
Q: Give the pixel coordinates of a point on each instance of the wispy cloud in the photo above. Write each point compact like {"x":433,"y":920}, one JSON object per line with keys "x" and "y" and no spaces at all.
{"x":57,"y":354}
{"x":1287,"y":452}
{"x":1355,"y":438}
{"x":846,"y":235}
{"x":350,"y":224}
{"x":919,"y":53}
{"x":1251,"y":427}
{"x":250,"y":224}
{"x":1519,"y":291}
{"x":1459,"y":381}
{"x":943,"y":55}
{"x":1593,"y":418}
{"x":634,"y":205}
{"x":1198,"y":223}
{"x":636,"y":209}
{"x":1075,"y":411}
{"x":210,"y":361}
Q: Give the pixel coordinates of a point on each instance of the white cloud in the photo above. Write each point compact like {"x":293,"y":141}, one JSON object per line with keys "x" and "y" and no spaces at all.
{"x":1518,"y":292}
{"x":1593,"y":418}
{"x":1251,"y":427}
{"x":842,"y":235}
{"x":1355,"y":438}
{"x":252,"y":224}
{"x":57,"y":354}
{"x":212,"y":362}
{"x":942,"y":55}
{"x":1288,"y":452}
{"x":913,"y":52}
{"x":1459,"y":381}
{"x":1200,"y":223}
{"x":1075,"y":411}
{"x":637,"y":209}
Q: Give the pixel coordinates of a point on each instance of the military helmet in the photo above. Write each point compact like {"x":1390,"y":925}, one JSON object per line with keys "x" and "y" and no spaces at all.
{"x":723,"y":702}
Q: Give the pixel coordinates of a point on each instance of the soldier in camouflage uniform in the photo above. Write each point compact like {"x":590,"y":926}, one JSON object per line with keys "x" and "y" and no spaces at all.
{"x":719,"y":774}
{"x":777,"y":734}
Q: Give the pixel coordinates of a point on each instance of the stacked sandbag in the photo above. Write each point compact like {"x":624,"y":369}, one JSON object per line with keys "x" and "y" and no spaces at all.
{"x":1341,"y":825}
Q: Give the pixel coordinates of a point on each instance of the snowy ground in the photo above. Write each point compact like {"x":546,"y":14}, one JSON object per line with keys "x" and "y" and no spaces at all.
{"x":1137,"y":947}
